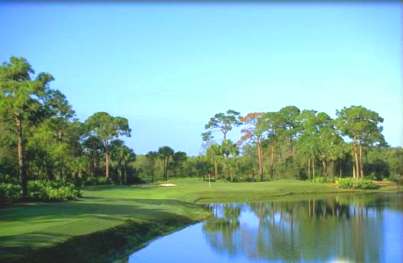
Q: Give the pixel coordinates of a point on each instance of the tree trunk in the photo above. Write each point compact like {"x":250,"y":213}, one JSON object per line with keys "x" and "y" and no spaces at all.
{"x":49,"y":171}
{"x":357,"y":164}
{"x":153,"y":171}
{"x":324,"y":168}
{"x":166,"y":161}
{"x":60,"y":140}
{"x":120,"y":173}
{"x":125,"y":174}
{"x":106,"y":162}
{"x":215,"y":169}
{"x":94,"y":165}
{"x":260,"y":159}
{"x":20,"y":153}
{"x":353,"y":160}
{"x":309,"y":168}
{"x":313,"y":168}
{"x":163,"y":168}
{"x":167,"y":168}
{"x":263,"y":160}
{"x":272,"y":161}
{"x":361,"y":164}
{"x":331,"y":168}
{"x":230,"y":173}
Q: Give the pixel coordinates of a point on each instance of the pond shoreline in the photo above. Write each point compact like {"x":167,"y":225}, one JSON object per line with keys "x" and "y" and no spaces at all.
{"x":333,"y":228}
{"x":111,"y":245}
{"x":114,"y":243}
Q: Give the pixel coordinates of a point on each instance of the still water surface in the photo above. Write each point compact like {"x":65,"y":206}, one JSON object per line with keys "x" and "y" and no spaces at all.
{"x":366,"y":228}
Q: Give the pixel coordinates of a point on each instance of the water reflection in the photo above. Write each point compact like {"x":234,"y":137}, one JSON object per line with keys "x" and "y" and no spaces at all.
{"x":367,"y":228}
{"x":314,"y":230}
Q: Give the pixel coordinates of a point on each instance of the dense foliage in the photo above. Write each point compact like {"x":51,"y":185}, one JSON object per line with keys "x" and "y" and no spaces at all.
{"x":303,"y":144}
{"x":46,"y":153}
{"x":351,"y":183}
{"x":40,"y":139}
{"x":9,"y":192}
{"x":52,"y":191}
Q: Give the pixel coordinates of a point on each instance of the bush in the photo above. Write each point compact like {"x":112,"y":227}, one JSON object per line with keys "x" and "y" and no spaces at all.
{"x":323,"y":180}
{"x":397,"y":178}
{"x":96,"y":180}
{"x":250,"y":179}
{"x":52,"y":191}
{"x":9,"y":192}
{"x":351,"y":183}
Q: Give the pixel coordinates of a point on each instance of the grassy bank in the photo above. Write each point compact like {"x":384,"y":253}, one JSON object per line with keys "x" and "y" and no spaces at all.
{"x":111,"y":219}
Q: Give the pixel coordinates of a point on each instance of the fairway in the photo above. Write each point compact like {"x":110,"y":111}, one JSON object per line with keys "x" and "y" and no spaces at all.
{"x":148,"y":210}
{"x":234,"y":132}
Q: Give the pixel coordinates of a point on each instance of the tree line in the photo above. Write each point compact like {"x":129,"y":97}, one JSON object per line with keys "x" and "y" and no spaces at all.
{"x":41,"y":139}
{"x":300,"y":143}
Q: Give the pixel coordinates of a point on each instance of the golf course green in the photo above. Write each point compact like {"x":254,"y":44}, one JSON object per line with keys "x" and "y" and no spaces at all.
{"x":110,"y":221}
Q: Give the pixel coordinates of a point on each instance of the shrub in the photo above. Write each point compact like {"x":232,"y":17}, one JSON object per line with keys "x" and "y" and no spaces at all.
{"x":9,"y":192}
{"x":96,"y":180}
{"x":52,"y":191}
{"x":397,"y":178}
{"x":351,"y":183}
{"x":367,"y":184}
{"x":250,"y":179}
{"x":323,"y":180}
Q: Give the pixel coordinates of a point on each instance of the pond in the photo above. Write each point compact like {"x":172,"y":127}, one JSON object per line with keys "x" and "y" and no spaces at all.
{"x":346,"y":228}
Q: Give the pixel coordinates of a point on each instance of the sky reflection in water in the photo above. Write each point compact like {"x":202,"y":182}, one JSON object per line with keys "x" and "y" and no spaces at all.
{"x":338,"y":229}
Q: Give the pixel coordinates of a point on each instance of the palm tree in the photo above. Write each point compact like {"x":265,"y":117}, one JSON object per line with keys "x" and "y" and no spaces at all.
{"x":165,"y":153}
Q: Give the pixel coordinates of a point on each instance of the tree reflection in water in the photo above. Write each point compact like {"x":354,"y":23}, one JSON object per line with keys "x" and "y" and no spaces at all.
{"x":337,"y":228}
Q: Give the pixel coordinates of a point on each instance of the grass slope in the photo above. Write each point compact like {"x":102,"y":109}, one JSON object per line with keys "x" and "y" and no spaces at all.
{"x":111,"y":219}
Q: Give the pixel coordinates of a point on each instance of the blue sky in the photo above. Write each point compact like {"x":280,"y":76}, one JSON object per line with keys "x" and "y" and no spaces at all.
{"x":169,"y":67}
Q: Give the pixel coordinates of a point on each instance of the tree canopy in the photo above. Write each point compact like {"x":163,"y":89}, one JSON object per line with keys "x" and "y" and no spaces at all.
{"x":41,"y":140}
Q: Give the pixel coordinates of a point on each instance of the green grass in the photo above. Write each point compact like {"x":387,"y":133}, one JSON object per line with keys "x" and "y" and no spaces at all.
{"x":108,"y":219}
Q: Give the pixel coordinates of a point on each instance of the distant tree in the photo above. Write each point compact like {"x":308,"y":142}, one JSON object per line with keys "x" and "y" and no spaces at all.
{"x":151,"y":157}
{"x":207,"y":139}
{"x":224,"y":122}
{"x":201,"y":166}
{"x":59,"y":117}
{"x":308,"y":143}
{"x":21,"y":97}
{"x":177,"y":162}
{"x":230,"y":151}
{"x":394,"y":158}
{"x":331,"y":145}
{"x":165,"y":154}
{"x":290,"y":128}
{"x":123,"y":156}
{"x":79,"y":166}
{"x":252,"y":132}
{"x":57,"y":105}
{"x":107,"y":128}
{"x":319,"y":140}
{"x":8,"y":152}
{"x":363,"y":127}
{"x":214,"y":154}
{"x":94,"y":149}
{"x":271,"y":124}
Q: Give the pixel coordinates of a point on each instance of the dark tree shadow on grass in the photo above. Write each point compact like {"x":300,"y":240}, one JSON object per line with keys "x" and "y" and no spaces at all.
{"x":138,"y":221}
